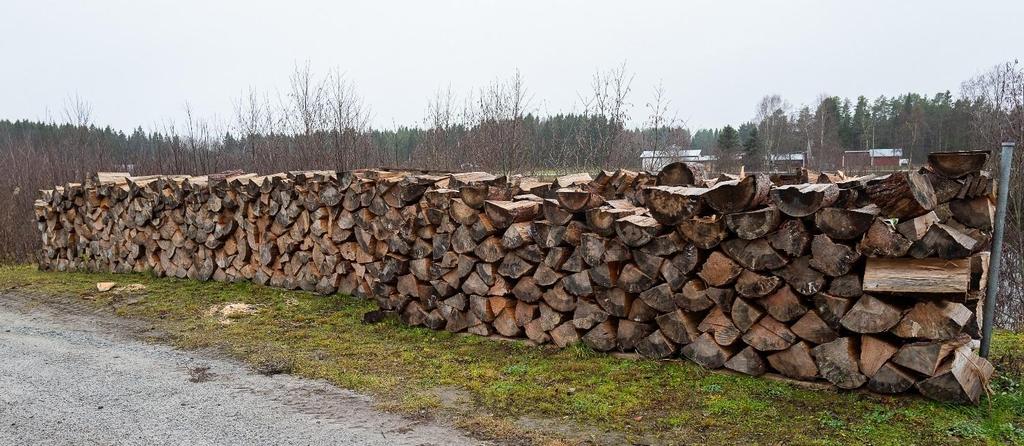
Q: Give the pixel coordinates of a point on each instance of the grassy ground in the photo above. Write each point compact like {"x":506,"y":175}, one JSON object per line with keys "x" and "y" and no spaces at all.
{"x":538,"y":395}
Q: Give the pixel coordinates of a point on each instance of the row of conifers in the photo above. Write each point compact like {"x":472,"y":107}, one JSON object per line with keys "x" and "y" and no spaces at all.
{"x":874,"y":281}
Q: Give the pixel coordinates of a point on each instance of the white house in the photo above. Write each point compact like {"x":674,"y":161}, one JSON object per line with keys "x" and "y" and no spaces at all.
{"x":654,"y":160}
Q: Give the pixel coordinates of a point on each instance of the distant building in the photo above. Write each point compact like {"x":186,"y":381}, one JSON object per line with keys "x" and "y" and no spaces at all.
{"x":787,"y":161}
{"x":654,"y":160}
{"x":882,"y":157}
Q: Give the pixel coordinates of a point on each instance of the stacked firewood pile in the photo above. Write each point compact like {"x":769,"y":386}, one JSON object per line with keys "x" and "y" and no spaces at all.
{"x":873,"y":282}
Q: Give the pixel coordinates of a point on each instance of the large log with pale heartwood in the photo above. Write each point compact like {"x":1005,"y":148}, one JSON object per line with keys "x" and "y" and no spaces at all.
{"x":870,"y":282}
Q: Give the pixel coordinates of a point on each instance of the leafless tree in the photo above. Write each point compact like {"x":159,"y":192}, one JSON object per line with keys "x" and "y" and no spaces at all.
{"x":999,"y":116}
{"x":347,"y":121}
{"x":440,"y":150}
{"x":658,"y":119}
{"x":608,"y":100}
{"x":77,"y":111}
{"x":500,"y":137}
{"x":252,"y":121}
{"x":771,"y":118}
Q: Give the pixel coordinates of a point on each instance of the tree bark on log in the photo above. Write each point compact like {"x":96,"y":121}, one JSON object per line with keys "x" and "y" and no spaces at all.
{"x":902,"y":194}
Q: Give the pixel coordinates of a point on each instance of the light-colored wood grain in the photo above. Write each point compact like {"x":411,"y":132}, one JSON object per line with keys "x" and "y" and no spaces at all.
{"x":917,"y":276}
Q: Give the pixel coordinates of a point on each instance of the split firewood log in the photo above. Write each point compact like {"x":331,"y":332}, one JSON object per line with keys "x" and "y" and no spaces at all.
{"x":681,"y":174}
{"x":641,"y":312}
{"x":926,"y":357}
{"x":615,"y":301}
{"x":704,"y":232}
{"x":747,"y":361}
{"x":719,"y":270}
{"x":753,"y":285}
{"x":891,"y":378}
{"x":801,"y":200}
{"x":945,"y":242}
{"x":831,"y":308}
{"x":754,"y":224}
{"x":812,"y":328}
{"x":535,"y":333}
{"x":837,"y":362}
{"x":902,"y":194}
{"x":961,"y":379}
{"x":833,"y":259}
{"x":514,"y":266}
{"x":795,"y":362}
{"x":933,"y":320}
{"x":636,"y":230}
{"x":577,"y":199}
{"x":707,"y":353}
{"x":667,"y":245}
{"x":874,"y":353}
{"x":744,"y":314}
{"x":518,"y":235}
{"x":564,"y":335}
{"x":670,"y":205}
{"x":602,"y":337}
{"x":588,"y":314}
{"x":555,"y":214}
{"x":845,"y":224}
{"x":660,"y":298}
{"x":976,"y":184}
{"x":871,"y":315}
{"x":655,"y":345}
{"x":633,"y":280}
{"x":783,"y":304}
{"x":768,"y":334}
{"x":882,"y":240}
{"x":791,"y":238}
{"x":578,"y":284}
{"x":504,"y":213}
{"x":957,"y":164}
{"x":917,"y":276}
{"x":720,"y":326}
{"x":574,"y":179}
{"x":739,"y":195}
{"x":604,"y":275}
{"x":915,"y":228}
{"x":601,"y":220}
{"x":463,"y":213}
{"x":679,"y":326}
{"x":756,"y":255}
{"x":559,"y":299}
{"x":804,"y":279}
{"x":976,"y":212}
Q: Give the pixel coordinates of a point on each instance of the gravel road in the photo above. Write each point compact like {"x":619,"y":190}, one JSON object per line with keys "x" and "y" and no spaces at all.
{"x":71,"y":376}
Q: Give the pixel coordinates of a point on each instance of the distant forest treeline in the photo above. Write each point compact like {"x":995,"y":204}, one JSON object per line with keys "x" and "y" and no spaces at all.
{"x":916,"y":123}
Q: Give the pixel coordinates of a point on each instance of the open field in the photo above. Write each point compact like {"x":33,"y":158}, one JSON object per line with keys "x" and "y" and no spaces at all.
{"x":535,"y":395}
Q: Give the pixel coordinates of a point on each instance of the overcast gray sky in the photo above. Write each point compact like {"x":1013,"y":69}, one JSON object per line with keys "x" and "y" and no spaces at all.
{"x":138,"y":62}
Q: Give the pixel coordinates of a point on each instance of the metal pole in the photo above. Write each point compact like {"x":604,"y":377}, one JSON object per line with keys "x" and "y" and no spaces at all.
{"x":995,"y":260}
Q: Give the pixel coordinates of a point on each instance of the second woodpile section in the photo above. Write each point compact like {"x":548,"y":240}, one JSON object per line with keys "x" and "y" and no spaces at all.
{"x":865,"y":282}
